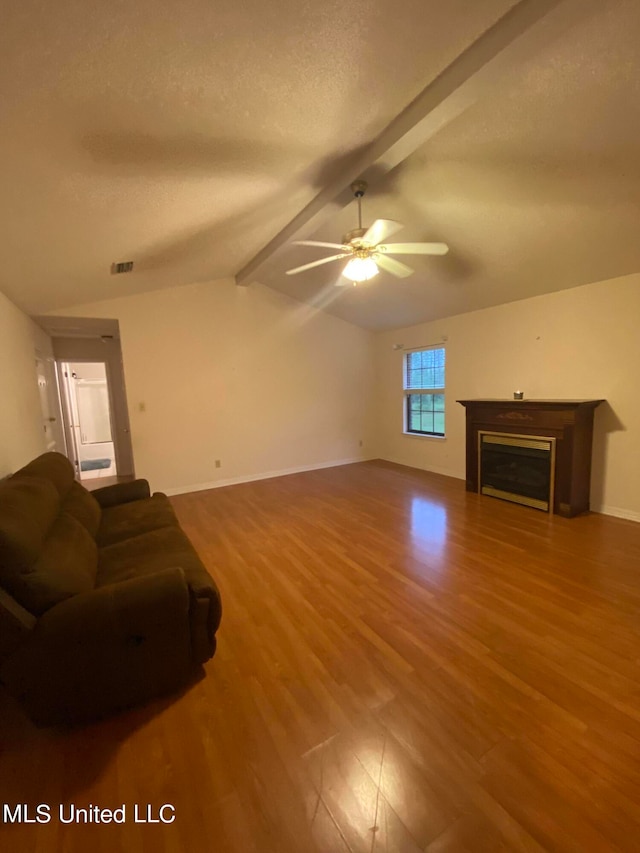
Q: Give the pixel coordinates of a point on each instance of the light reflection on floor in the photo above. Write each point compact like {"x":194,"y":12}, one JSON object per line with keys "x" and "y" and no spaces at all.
{"x":428,"y":529}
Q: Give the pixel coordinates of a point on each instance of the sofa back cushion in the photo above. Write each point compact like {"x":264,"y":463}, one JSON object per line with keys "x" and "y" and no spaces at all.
{"x":66,"y":566}
{"x":28,"y":507}
{"x":81,"y":505}
{"x":53,"y":467}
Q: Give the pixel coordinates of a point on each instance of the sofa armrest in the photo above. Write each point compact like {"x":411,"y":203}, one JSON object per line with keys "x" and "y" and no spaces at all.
{"x":205,"y":615}
{"x":105,"y":649}
{"x":122,"y":493}
{"x":16,"y":624}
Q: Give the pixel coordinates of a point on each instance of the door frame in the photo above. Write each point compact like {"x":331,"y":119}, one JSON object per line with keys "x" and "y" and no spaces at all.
{"x":102,"y":348}
{"x":67,"y":382}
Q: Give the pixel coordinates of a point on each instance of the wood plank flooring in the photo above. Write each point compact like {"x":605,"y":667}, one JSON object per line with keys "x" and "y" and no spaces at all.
{"x":402,"y":666}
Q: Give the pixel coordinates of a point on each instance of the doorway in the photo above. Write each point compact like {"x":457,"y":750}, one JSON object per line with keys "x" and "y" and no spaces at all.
{"x":88,"y":418}
{"x":93,"y":396}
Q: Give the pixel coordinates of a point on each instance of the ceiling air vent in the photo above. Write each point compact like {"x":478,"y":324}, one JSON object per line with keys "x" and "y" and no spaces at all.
{"x":123,"y":266}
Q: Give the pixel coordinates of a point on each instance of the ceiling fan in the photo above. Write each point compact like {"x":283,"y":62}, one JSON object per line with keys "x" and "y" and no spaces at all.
{"x":367,"y":250}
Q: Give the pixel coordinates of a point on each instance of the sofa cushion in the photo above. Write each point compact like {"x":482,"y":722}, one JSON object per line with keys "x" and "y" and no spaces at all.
{"x":149,"y":553}
{"x":53,"y":467}
{"x":66,"y":566}
{"x":81,"y":505}
{"x":132,"y":519}
{"x":29,"y":506}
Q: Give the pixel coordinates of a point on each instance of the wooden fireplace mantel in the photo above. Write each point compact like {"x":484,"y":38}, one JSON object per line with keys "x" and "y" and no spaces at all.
{"x":570,"y":422}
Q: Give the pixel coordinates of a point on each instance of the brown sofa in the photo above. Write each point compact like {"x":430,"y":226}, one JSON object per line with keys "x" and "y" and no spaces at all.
{"x":104,"y":603}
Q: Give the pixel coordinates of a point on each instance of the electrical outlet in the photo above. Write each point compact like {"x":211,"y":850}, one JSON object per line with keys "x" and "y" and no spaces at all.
{"x":217,"y":463}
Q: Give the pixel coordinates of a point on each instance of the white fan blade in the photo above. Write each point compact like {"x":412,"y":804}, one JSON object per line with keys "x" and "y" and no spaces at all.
{"x":396,"y":268}
{"x":317,"y":263}
{"x":380,"y":230}
{"x":316,"y":243}
{"x":413,"y":248}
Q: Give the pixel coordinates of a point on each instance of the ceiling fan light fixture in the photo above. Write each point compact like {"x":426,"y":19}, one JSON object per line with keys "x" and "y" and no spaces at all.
{"x":367,"y":248}
{"x":360,"y":269}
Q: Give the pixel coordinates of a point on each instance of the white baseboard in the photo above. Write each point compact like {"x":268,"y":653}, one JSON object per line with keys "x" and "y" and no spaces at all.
{"x":616,"y":511}
{"x":265,"y":475}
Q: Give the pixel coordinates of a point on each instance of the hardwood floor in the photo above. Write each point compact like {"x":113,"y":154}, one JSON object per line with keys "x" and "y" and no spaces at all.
{"x":402,"y":666}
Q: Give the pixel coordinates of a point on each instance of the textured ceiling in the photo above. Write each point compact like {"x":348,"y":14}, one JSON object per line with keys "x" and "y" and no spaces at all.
{"x":536,"y":188}
{"x":186,"y":136}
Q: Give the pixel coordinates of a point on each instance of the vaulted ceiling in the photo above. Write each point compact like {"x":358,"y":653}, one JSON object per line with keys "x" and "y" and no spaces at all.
{"x":198,"y":139}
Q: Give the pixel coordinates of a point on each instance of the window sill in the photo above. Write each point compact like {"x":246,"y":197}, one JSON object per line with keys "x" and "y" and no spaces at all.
{"x":419,"y":435}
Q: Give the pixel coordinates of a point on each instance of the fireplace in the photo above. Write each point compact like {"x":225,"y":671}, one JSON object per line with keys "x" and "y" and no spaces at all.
{"x":568,"y":424}
{"x":518,"y":468}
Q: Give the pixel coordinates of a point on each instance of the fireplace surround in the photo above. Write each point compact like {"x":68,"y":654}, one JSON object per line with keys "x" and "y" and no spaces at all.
{"x":566,"y":426}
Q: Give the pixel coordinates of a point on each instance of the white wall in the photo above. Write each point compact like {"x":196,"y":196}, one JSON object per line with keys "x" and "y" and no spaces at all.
{"x":582,"y":343}
{"x":21,"y":425}
{"x":245,"y":375}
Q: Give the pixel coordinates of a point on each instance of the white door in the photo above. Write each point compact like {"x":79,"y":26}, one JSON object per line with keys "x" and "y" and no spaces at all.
{"x":49,"y":404}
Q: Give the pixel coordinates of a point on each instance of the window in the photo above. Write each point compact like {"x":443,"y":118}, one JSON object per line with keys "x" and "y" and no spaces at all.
{"x":424,"y":391}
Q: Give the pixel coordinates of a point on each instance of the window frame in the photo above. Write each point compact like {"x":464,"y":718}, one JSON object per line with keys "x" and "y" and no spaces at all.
{"x":431,"y":392}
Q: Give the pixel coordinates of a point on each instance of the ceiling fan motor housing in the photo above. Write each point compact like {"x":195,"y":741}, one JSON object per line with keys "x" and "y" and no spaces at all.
{"x":356,"y":235}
